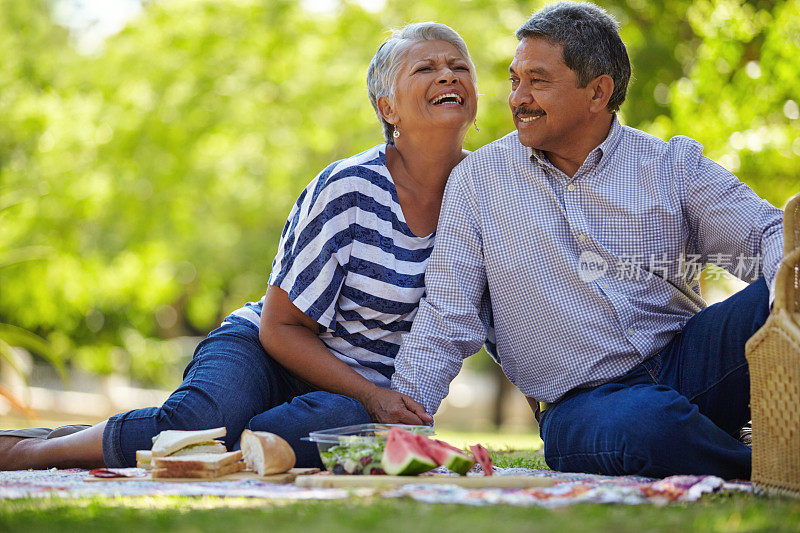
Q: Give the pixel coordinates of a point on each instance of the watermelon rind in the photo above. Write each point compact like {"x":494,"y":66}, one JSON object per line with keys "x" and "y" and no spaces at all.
{"x":413,"y":465}
{"x":445,"y":454}
{"x":403,"y":455}
{"x":458,"y":463}
{"x":449,"y":456}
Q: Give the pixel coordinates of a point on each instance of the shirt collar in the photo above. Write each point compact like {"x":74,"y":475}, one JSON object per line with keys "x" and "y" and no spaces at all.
{"x":598,"y":157}
{"x":612,"y":141}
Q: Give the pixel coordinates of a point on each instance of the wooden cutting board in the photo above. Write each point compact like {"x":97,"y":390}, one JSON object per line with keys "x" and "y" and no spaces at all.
{"x":286,"y":477}
{"x":387,"y":482}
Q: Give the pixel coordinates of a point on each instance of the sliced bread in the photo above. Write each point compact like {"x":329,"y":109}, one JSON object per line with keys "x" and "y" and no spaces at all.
{"x":203,"y":473}
{"x":204,"y":461}
{"x":144,"y":458}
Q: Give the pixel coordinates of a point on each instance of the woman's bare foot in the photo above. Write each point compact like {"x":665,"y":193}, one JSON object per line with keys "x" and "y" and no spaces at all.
{"x":15,"y":452}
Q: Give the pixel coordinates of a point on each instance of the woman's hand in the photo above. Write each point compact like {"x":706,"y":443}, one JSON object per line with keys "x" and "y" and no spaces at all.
{"x":390,"y":407}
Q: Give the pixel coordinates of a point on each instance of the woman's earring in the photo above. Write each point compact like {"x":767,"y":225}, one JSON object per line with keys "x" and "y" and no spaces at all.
{"x":396,"y":133}
{"x":475,"y":122}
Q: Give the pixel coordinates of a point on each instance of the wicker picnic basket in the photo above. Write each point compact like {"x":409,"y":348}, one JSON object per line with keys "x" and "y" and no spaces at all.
{"x":773,"y":354}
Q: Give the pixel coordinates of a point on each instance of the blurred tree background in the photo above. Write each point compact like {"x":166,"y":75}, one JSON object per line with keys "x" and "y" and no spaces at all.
{"x":144,"y":184}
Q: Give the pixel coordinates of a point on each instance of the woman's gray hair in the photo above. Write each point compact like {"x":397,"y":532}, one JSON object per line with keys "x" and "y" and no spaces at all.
{"x":385,"y":66}
{"x":591,"y":42}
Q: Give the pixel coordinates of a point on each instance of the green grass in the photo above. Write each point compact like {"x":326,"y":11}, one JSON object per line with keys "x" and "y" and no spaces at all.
{"x":723,"y":513}
{"x":181,"y":514}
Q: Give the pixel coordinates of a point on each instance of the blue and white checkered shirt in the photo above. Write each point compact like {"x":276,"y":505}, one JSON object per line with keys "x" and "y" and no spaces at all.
{"x":580,"y":278}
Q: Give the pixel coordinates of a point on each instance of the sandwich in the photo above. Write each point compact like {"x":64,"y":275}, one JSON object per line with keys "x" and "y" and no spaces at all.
{"x":174,"y":443}
{"x":198,"y":466}
{"x":266,"y":453}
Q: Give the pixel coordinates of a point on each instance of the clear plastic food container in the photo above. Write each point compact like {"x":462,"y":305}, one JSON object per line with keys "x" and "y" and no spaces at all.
{"x":357,"y":449}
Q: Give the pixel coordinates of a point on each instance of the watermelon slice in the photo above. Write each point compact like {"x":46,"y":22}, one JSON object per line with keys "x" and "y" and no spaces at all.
{"x":483,"y":458}
{"x":446,"y":455}
{"x":404,"y":456}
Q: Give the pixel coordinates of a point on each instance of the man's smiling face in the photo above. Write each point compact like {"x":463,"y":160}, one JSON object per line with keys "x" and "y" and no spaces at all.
{"x":548,"y":107}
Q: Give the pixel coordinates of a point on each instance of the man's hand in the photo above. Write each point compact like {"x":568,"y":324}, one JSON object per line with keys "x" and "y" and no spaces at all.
{"x":390,"y":407}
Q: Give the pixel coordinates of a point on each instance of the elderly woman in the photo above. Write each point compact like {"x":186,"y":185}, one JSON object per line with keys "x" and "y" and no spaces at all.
{"x":318,"y":350}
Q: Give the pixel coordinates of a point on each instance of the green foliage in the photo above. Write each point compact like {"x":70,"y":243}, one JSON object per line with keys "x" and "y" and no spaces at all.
{"x":740,"y":94}
{"x":16,"y":336}
{"x":143,"y":188}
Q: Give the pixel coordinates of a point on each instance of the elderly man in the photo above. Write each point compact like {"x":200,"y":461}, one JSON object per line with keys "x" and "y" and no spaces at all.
{"x":572,"y":248}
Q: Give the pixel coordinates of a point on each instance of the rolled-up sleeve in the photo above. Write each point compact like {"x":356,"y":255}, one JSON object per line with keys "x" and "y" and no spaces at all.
{"x":453,"y":318}
{"x":729,"y":223}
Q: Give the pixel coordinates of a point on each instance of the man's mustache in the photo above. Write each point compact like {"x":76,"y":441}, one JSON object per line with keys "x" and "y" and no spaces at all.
{"x":527,"y":111}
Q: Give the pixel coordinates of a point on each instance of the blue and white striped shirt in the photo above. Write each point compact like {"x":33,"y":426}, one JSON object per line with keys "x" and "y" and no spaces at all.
{"x":348,"y":259}
{"x":583,"y":277}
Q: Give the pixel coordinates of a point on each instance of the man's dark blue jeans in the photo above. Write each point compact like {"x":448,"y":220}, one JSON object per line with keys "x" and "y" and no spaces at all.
{"x":678,"y":412}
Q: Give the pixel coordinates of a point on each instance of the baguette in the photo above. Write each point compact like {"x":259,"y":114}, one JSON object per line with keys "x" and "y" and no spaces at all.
{"x":161,"y":473}
{"x":266,"y":453}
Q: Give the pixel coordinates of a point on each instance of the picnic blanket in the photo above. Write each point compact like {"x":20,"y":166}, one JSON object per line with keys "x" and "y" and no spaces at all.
{"x":572,"y":488}
{"x":569,"y":489}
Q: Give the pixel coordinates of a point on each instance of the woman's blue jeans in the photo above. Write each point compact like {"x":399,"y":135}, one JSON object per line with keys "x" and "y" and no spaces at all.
{"x":232,"y":382}
{"x":677,"y":413}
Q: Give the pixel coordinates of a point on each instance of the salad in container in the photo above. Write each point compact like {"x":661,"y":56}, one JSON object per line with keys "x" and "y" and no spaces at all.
{"x":357,"y":449}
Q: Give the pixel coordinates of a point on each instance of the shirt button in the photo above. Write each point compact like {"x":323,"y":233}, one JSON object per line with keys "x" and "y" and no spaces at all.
{"x":630,"y":333}
{"x":570,"y":187}
{"x":582,"y":238}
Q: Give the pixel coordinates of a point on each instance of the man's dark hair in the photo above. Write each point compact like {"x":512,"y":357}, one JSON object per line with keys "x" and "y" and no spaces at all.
{"x":591,"y":42}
